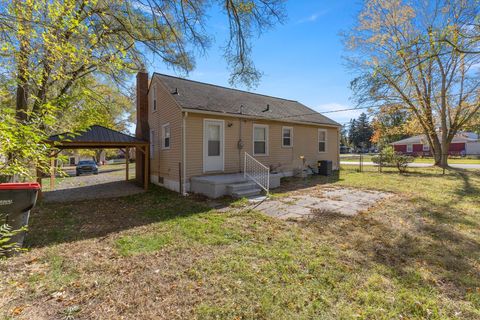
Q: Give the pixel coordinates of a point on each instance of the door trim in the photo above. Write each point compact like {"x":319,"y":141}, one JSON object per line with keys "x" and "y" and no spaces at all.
{"x":222,"y":123}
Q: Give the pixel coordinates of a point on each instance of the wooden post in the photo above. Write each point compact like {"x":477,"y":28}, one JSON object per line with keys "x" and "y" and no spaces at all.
{"x":146,"y":171}
{"x":127,"y":160}
{"x":52,"y":173}
{"x":39,"y":180}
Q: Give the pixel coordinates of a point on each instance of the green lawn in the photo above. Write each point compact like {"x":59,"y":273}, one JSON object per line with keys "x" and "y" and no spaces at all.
{"x":160,"y":256}
{"x":368,"y":158}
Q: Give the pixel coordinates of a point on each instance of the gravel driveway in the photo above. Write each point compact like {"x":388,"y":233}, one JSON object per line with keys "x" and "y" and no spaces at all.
{"x":109,"y":183}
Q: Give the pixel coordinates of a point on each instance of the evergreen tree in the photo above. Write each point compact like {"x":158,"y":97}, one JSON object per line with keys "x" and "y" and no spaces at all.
{"x":360,"y":132}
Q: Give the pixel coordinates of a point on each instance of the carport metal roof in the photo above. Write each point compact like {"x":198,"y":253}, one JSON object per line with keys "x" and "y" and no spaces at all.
{"x":99,"y":137}
{"x":95,"y":137}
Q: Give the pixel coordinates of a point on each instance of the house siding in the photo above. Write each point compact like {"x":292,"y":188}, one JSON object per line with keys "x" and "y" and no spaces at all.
{"x":164,"y":162}
{"x":454,"y":149}
{"x":400,"y":148}
{"x":305,"y":142}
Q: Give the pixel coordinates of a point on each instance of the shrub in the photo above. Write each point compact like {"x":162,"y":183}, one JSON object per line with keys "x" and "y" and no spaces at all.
{"x":402,"y":161}
{"x":385,"y":157}
{"x":388,"y":157}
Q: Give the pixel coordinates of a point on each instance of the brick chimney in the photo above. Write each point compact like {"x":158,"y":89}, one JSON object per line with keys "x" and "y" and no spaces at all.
{"x":142,"y":130}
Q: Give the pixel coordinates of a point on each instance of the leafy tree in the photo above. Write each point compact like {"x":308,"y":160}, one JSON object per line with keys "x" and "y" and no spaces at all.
{"x":48,"y":46}
{"x":399,"y":53}
{"x":392,"y":123}
{"x":93,"y":102}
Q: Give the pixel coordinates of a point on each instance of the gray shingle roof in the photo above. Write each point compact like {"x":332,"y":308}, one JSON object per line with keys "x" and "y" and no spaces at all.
{"x":95,"y":134}
{"x":191,"y":94}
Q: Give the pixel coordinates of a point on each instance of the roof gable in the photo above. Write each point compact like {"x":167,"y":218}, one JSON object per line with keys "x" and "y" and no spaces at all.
{"x":201,"y":96}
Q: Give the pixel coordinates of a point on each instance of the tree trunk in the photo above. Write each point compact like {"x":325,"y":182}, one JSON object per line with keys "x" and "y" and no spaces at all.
{"x":436,"y":148}
{"x":98,"y":155}
{"x":21,"y":107}
{"x":445,"y":147}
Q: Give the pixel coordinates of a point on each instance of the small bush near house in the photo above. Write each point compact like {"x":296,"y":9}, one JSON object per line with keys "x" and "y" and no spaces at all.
{"x":388,"y":157}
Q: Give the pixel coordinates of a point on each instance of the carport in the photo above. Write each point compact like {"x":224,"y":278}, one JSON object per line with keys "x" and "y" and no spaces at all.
{"x":99,"y":137}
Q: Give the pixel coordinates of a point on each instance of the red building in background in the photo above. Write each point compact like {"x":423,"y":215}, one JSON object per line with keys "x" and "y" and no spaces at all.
{"x":464,"y":143}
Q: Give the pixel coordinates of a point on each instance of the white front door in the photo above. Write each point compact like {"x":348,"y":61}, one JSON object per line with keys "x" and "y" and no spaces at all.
{"x":213,"y":145}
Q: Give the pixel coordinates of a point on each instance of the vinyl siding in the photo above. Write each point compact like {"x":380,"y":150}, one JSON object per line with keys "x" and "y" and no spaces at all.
{"x":305,"y":142}
{"x":164,"y":162}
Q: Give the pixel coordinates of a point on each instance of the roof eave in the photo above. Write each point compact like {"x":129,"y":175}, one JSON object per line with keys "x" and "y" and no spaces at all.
{"x":237,"y":115}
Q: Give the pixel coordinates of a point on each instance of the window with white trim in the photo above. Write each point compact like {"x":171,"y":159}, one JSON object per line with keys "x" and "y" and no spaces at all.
{"x":426,"y":147}
{"x":166,"y":136}
{"x":154,"y":98}
{"x":152,"y":143}
{"x":322,"y":140}
{"x":409,"y":148}
{"x":287,"y":137}
{"x":260,"y":140}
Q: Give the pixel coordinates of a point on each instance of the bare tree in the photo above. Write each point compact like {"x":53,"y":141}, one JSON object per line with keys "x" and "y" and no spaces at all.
{"x":401,"y":57}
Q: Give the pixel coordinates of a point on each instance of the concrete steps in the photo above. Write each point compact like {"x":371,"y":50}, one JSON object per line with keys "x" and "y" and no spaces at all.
{"x":243,"y":189}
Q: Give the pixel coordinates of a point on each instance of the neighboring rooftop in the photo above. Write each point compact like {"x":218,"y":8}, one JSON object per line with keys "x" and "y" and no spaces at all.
{"x":95,"y":135}
{"x":461,"y":136}
{"x":196,"y":95}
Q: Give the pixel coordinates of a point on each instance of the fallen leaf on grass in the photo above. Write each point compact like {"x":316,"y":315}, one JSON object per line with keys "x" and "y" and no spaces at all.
{"x":17,"y":310}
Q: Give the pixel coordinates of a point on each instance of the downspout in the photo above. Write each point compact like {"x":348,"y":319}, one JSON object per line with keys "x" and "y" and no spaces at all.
{"x":184,"y":153}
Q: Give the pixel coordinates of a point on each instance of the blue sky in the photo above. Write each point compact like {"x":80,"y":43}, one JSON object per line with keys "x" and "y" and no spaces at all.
{"x":301,"y":60}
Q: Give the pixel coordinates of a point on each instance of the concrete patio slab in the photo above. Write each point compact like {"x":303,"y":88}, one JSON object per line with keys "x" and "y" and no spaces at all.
{"x":343,"y":201}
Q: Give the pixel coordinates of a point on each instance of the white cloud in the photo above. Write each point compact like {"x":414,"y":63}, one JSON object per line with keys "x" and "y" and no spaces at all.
{"x":313,"y":17}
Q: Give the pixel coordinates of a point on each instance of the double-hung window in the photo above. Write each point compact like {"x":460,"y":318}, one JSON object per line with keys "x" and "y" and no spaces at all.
{"x":166,"y":136}
{"x":322,"y":140}
{"x":426,"y":147}
{"x":409,"y":148}
{"x":260,"y":140}
{"x":287,"y":137}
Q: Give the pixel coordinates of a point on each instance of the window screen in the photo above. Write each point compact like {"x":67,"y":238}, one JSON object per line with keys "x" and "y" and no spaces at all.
{"x":287,"y":137}
{"x":322,"y":140}
{"x":260,"y":140}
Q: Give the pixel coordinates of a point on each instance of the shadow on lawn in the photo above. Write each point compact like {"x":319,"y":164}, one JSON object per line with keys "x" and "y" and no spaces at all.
{"x":428,"y":240}
{"x":52,"y":223}
{"x":467,"y":189}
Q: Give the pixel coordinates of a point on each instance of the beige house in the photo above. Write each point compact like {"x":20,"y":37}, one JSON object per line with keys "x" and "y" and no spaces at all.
{"x":204,"y":136}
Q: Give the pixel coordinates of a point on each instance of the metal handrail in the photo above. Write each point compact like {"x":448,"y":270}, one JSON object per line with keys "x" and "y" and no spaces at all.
{"x":256,"y":171}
